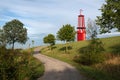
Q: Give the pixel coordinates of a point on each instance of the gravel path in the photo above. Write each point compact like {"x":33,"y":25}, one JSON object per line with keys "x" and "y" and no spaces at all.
{"x":57,"y":70}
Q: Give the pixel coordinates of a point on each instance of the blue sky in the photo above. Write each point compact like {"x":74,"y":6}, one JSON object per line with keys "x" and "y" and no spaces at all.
{"x":42,"y":17}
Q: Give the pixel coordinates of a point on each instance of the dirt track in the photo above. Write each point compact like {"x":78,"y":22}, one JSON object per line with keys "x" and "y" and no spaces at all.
{"x":57,"y":70}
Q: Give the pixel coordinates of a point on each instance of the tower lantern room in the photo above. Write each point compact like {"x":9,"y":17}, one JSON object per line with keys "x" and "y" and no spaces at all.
{"x":81,"y":30}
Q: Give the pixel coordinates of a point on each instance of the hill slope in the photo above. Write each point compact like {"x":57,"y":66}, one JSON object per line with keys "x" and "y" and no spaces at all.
{"x":108,"y":68}
{"x":111,"y":45}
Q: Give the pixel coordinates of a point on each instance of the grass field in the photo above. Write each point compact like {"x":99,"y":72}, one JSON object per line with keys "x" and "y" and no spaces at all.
{"x":108,"y":70}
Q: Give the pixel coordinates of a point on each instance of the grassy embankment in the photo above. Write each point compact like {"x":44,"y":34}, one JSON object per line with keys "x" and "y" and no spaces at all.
{"x":37,"y":67}
{"x":108,"y":70}
{"x":19,"y":65}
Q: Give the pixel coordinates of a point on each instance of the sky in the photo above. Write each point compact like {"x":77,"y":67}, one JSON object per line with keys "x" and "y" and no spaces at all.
{"x":42,"y":17}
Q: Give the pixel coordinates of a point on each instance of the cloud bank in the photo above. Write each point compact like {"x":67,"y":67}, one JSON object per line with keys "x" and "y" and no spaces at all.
{"x":47,"y":16}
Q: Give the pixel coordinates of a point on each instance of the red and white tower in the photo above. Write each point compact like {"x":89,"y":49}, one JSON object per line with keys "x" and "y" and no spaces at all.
{"x":81,"y":32}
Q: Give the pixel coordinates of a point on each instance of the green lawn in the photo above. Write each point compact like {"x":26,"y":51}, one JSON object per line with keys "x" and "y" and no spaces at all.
{"x":111,"y":45}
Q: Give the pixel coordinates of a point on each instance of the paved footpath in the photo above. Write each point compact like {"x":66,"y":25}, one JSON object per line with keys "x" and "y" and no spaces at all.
{"x":57,"y":70}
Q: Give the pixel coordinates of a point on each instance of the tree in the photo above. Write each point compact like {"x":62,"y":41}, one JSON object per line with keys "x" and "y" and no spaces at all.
{"x":2,"y":38}
{"x":15,"y":32}
{"x":33,"y":42}
{"x":50,"y":39}
{"x":66,"y":34}
{"x":110,"y":17}
{"x":92,"y":29}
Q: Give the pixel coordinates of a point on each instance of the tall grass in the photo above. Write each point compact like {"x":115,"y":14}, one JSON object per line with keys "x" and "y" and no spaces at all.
{"x":110,"y":67}
{"x":19,"y":65}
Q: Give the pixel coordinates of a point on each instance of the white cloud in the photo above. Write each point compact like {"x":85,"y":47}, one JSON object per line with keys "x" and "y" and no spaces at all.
{"x":47,"y":16}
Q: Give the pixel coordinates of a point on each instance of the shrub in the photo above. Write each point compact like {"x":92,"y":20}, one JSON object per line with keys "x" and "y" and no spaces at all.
{"x":91,"y":58}
{"x":91,"y":54}
{"x":18,"y":65}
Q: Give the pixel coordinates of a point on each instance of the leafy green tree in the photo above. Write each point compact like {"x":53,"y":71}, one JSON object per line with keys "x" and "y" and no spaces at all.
{"x":49,"y":39}
{"x":33,"y":42}
{"x":45,"y":40}
{"x":15,"y":32}
{"x":32,"y":48}
{"x":66,"y":34}
{"x":110,"y":17}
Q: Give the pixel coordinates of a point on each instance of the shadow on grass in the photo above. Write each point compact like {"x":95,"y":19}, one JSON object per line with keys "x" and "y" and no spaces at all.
{"x":53,"y":47}
{"x":83,"y":49}
{"x":64,"y":48}
{"x":115,"y":49}
{"x":94,"y":74}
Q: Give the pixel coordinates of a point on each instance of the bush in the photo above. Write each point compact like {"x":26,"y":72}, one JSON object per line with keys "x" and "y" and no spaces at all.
{"x":91,"y":58}
{"x":17,"y":65}
{"x":91,"y":54}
